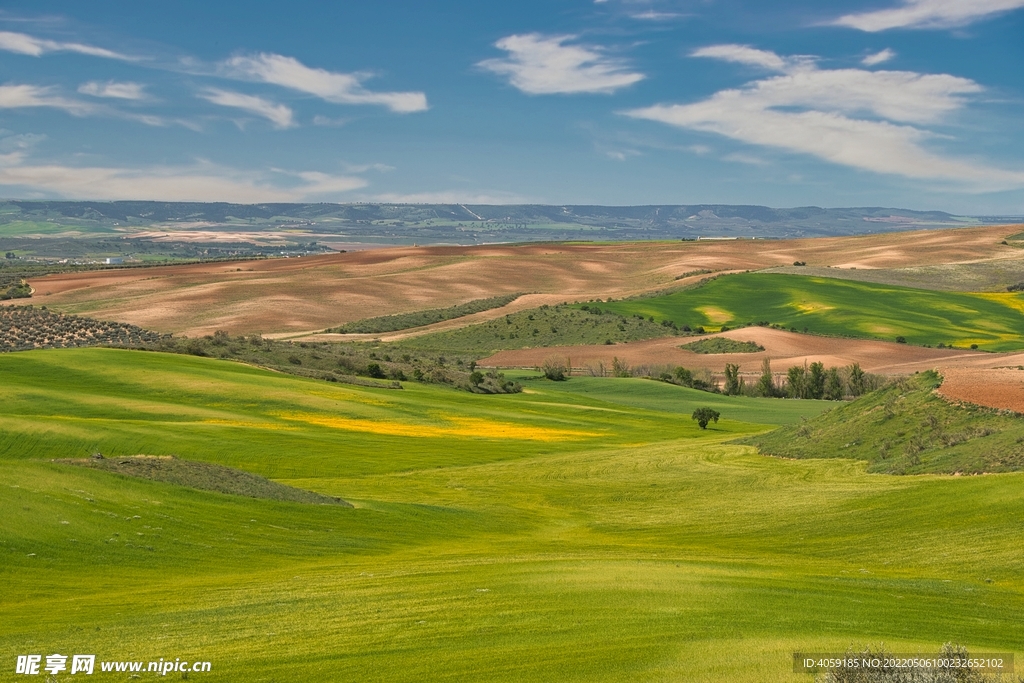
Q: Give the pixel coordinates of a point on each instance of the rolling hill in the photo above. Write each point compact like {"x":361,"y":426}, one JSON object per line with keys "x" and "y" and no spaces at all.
{"x":585,"y":530}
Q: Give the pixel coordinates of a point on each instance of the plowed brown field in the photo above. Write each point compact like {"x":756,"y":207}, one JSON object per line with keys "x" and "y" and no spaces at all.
{"x":996,"y":388}
{"x":784,"y":349}
{"x":309,"y":294}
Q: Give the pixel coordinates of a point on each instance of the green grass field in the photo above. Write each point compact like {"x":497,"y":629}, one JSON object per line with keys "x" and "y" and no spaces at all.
{"x":579,"y":531}
{"x":539,"y":327}
{"x":18,"y":228}
{"x":907,"y":428}
{"x":827,"y":306}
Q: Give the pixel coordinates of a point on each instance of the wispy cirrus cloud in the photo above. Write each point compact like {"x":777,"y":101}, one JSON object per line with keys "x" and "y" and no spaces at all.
{"x":869,"y":120}
{"x":201,"y":182}
{"x":114,"y":90}
{"x":878,"y":57}
{"x":24,"y":44}
{"x":654,"y":15}
{"x":25,"y":96}
{"x":331,"y":86}
{"x":927,"y":14}
{"x":547,"y":65}
{"x":328,"y":121}
{"x":743,"y":54}
{"x":278,"y":114}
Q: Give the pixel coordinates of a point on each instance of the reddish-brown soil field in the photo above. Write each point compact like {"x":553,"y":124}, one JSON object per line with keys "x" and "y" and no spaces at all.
{"x":996,"y":388}
{"x":784,"y":349}
{"x":289,"y":296}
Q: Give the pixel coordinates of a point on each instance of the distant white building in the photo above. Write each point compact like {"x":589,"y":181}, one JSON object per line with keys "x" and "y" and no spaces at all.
{"x":114,"y":261}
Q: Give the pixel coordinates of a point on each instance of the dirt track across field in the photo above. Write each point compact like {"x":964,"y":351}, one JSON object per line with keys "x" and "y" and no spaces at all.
{"x":783,"y":348}
{"x":292,"y":296}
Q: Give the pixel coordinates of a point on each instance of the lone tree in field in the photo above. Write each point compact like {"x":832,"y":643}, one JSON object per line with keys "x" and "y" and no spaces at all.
{"x":705,"y":415}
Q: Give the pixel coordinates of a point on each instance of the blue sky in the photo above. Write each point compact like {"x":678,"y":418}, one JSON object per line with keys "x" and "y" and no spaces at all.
{"x":908,"y":103}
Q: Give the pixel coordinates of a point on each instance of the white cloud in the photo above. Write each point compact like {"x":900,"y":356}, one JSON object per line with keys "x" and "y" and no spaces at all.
{"x":115,"y":90}
{"x":24,"y":44}
{"x":328,"y":122}
{"x":339,"y":88}
{"x":852,"y":117}
{"x":742,"y":54}
{"x":316,"y":183}
{"x":927,"y":14}
{"x":202,"y":182}
{"x":22,"y":96}
{"x":29,"y":96}
{"x":740,"y":158}
{"x":545,"y":65}
{"x":363,"y":168}
{"x":652,"y":15}
{"x":280,"y":115}
{"x":878,"y":57}
{"x":621,"y":154}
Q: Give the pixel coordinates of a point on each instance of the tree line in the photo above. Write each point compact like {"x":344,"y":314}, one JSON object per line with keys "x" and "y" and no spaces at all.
{"x":810,"y":380}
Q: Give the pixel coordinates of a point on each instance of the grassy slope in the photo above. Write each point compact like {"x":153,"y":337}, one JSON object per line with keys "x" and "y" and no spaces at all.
{"x":843,"y":308}
{"x":546,"y":326}
{"x":652,"y":552}
{"x":906,"y":428}
{"x":647,"y":394}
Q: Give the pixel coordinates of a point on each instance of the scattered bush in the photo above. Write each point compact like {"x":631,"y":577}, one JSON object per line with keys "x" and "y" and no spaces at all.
{"x":554,"y":369}
{"x":722,"y":345}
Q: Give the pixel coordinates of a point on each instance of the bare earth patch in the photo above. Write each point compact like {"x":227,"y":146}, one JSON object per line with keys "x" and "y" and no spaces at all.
{"x":302,"y":295}
{"x":992,"y":387}
{"x":783,"y":348}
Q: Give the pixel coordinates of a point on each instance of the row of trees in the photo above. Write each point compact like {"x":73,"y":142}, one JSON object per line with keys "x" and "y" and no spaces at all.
{"x":813,"y":380}
{"x":803,"y":381}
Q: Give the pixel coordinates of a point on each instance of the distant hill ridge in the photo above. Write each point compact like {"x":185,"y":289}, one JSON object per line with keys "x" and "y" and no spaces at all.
{"x":473,"y":223}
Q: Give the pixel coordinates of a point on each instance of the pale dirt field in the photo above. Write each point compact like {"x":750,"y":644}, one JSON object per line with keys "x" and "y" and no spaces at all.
{"x":288,"y":297}
{"x":784,"y":349}
{"x":996,"y":388}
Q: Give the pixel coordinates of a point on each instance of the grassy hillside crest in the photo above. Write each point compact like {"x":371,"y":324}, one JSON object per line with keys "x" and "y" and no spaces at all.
{"x":842,"y":308}
{"x":906,"y":428}
{"x":544,"y":326}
